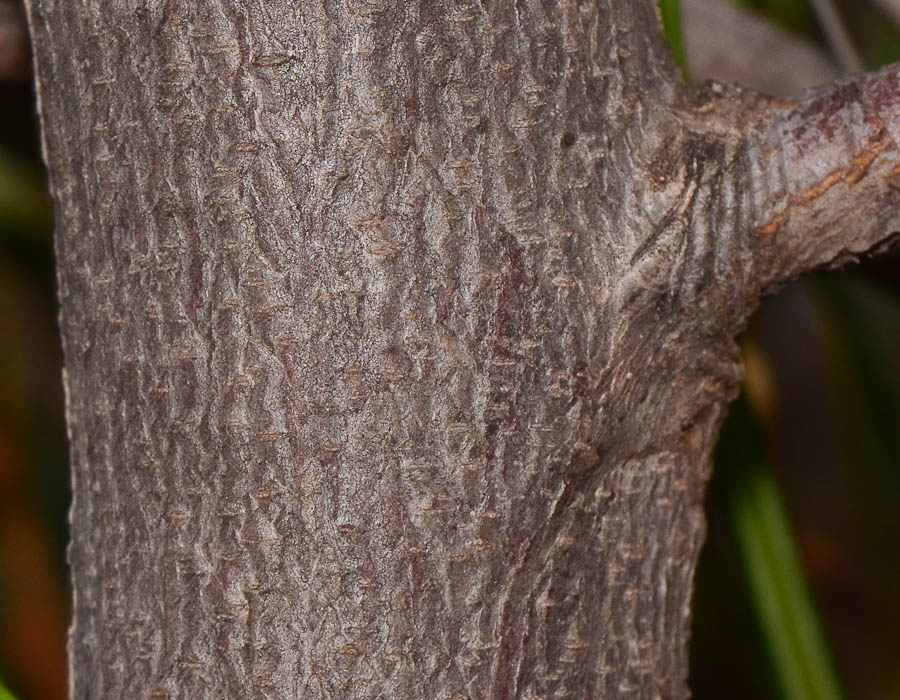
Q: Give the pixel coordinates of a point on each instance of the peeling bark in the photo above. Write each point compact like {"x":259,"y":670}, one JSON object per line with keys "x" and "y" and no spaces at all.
{"x":397,"y":336}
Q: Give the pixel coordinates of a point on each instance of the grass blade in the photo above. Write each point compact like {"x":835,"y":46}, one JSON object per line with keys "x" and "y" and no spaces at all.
{"x":670,"y":12}
{"x":776,"y":584}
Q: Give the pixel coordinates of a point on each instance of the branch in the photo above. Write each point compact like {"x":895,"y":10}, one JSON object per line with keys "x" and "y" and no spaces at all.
{"x":836,"y":35}
{"x":729,"y":44}
{"x":825,"y":177}
{"x":891,"y":8}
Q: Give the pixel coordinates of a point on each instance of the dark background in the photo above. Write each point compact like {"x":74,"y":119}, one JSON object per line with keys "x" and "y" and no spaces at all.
{"x":819,"y":423}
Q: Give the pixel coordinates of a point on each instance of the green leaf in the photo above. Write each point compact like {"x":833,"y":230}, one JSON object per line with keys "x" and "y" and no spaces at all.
{"x":5,"y":694}
{"x":670,"y":12}
{"x":777,"y":586}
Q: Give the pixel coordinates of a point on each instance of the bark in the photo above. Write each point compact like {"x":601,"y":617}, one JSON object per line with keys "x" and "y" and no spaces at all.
{"x":397,"y":335}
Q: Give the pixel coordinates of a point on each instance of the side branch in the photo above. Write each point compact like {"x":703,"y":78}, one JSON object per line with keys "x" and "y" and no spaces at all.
{"x":825,"y":177}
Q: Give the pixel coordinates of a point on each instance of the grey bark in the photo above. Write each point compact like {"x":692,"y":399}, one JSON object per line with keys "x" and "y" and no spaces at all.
{"x":397,"y":335}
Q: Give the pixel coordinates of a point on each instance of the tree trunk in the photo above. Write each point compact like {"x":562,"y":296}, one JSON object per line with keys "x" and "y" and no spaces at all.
{"x":397,"y":335}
